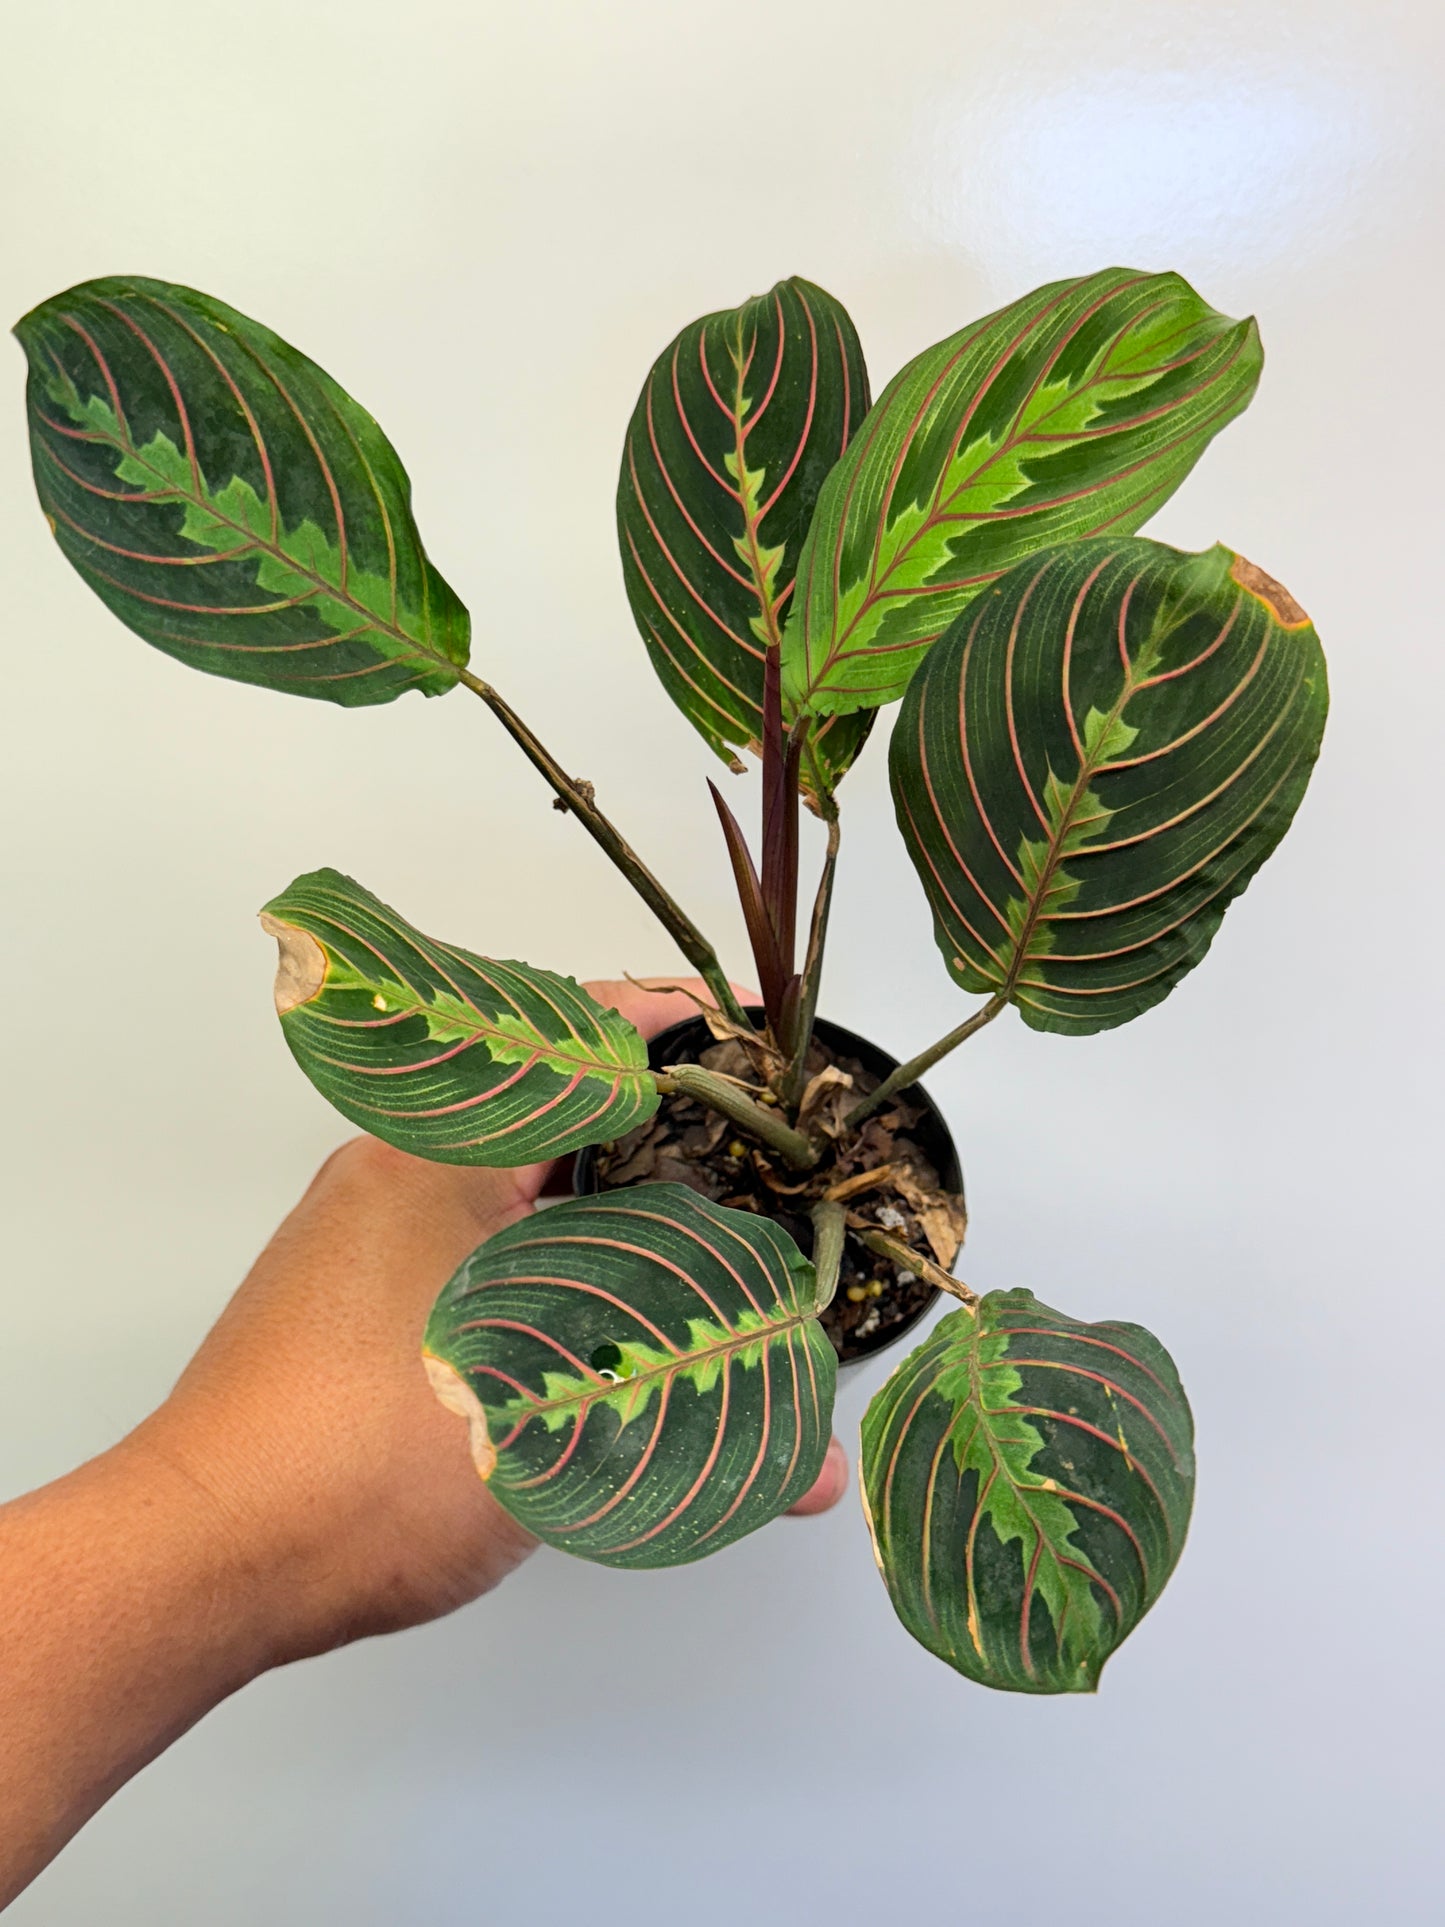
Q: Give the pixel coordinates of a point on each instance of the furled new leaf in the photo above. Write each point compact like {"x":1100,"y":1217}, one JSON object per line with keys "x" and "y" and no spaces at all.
{"x":1075,"y":410}
{"x":1028,"y":1481}
{"x":738,"y":423}
{"x":1094,"y":762}
{"x":228,"y":501}
{"x":644,"y":1373}
{"x":451,"y":1056}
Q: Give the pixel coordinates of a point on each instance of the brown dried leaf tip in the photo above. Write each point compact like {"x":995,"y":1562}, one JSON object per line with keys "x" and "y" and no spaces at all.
{"x":1275,"y":597}
{"x":300,"y":967}
{"x":457,"y":1396}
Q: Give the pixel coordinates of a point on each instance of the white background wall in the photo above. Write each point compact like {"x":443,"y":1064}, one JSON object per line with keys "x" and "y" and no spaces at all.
{"x":485,"y":219}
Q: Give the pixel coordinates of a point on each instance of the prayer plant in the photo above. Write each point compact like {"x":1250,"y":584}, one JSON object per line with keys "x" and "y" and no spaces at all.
{"x":1100,"y":740}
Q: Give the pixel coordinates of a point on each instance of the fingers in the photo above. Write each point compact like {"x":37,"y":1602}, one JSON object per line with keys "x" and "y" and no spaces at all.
{"x":831,"y":1484}
{"x":656,"y":1002}
{"x":649,"y":1010}
{"x":407,"y":1220}
{"x":464,"y":1204}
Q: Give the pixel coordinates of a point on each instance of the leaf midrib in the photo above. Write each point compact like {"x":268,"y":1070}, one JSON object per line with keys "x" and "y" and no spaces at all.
{"x":259,"y":544}
{"x":1013,"y":440}
{"x":752,"y":519}
{"x":1089,"y":767}
{"x":481,"y":1031}
{"x":775,"y":1329}
{"x":1001,"y":1469}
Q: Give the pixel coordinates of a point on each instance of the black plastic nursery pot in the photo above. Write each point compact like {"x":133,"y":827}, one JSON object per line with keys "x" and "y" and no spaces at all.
{"x":871,"y":1319}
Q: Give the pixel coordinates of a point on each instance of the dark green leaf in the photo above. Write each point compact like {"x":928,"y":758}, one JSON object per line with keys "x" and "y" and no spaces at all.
{"x":644,"y":1373}
{"x":1092,"y":764}
{"x":451,"y":1056}
{"x":1078,"y":409}
{"x":737,"y":425}
{"x":1028,"y":1481}
{"x":228,"y":501}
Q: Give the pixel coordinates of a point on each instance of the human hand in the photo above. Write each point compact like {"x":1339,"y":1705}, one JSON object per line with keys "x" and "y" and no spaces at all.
{"x":306,"y":1419}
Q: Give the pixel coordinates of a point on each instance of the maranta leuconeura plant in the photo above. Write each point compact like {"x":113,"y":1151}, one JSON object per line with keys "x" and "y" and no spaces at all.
{"x":1099,"y":740}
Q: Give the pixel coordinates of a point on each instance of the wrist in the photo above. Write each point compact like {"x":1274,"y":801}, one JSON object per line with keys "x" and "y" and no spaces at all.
{"x":194,"y":1563}
{"x":309,"y":1549}
{"x":126,"y":1616}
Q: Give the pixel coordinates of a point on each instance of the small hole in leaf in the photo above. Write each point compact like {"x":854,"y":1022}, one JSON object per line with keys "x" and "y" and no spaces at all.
{"x":605,"y":1361}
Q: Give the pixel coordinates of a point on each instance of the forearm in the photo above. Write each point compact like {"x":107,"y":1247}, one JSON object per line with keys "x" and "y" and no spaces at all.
{"x":125,"y":1616}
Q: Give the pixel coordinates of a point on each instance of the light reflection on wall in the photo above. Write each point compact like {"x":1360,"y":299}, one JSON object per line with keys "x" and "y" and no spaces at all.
{"x":1205,"y":169}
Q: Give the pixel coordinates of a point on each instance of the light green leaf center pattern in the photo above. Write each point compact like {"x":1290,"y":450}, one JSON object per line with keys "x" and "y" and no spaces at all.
{"x":1075,"y":815}
{"x":297,"y":564}
{"x":507,"y":1036}
{"x":627,"y":1386}
{"x":999,"y":1445}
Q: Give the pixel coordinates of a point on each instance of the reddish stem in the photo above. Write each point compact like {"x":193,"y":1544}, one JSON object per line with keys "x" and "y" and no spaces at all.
{"x":780,"y":817}
{"x":772,"y":978}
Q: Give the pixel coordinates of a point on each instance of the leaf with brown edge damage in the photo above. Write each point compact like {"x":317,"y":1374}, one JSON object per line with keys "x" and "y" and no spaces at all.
{"x":1028,"y":1481}
{"x":739,"y":422}
{"x":1094,"y":762}
{"x":647,"y":1371}
{"x":451,"y":1056}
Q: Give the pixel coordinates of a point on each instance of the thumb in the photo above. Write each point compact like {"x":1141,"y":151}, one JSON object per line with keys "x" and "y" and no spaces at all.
{"x":829,"y":1486}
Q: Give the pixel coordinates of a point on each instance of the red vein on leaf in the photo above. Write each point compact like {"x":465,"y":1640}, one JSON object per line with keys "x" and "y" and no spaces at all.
{"x":595,"y":1240}
{"x":168,"y":375}
{"x":806,"y":431}
{"x":765,"y":1439}
{"x":1134,"y":1464}
{"x":747,"y":724}
{"x":1071,"y":1497}
{"x":253,"y":426}
{"x":322,"y":586}
{"x":139,"y":555}
{"x":707,"y":371}
{"x":1020,"y":607}
{"x":983,"y":815}
{"x":699,"y":1482}
{"x":143,"y":496}
{"x":1066,"y":1335}
{"x":1186,"y":668}
{"x":750,"y":649}
{"x":645,"y":1458}
{"x":687,"y":584}
{"x":316,"y":449}
{"x":1026,"y":1606}
{"x":925,"y":1546}
{"x":572,"y":1284}
{"x":545,"y":1338}
{"x":1011,"y":442}
{"x":847,"y":387}
{"x":198,"y":608}
{"x":687,"y":430}
{"x":387,"y":531}
{"x":680,"y":1229}
{"x":923,"y":850}
{"x":762,"y":408}
{"x":1203,"y":802}
{"x":1089,"y":580}
{"x":128,"y":440}
{"x":1182,"y":876}
{"x":1110,"y":1385}
{"x":675,"y":493}
{"x":1221,"y":709}
{"x":797,"y":1409}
